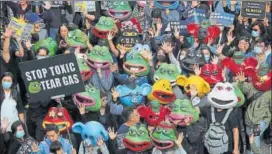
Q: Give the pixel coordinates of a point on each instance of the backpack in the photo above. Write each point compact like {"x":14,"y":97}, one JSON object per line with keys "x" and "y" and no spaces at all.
{"x":216,"y":139}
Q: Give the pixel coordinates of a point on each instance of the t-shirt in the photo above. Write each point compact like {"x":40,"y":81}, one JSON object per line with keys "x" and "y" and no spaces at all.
{"x":9,"y":110}
{"x":231,"y":123}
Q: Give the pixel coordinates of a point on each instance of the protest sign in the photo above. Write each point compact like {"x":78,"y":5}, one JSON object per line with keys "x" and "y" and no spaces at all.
{"x":222,"y":18}
{"x":181,"y":26}
{"x":196,"y":16}
{"x":85,"y":6}
{"x":253,"y":9}
{"x":20,"y":28}
{"x":49,"y":77}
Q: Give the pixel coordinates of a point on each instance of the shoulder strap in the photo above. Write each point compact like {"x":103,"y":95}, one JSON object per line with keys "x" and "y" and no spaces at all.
{"x":213,"y":117}
{"x":226,"y":116}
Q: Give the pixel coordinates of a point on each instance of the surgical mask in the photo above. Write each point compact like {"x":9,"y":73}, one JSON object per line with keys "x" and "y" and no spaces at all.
{"x":41,"y":57}
{"x":161,"y":58}
{"x":257,"y":50}
{"x":255,"y":33}
{"x":207,"y":58}
{"x":6,"y":85}
{"x":20,"y":134}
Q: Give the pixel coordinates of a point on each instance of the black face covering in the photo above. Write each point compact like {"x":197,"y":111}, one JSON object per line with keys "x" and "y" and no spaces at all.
{"x":161,"y":58}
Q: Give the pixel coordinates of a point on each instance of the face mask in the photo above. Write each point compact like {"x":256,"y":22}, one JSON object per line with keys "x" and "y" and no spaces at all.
{"x":20,"y":134}
{"x":41,"y":57}
{"x":257,"y":50}
{"x":207,"y":58}
{"x":161,"y":58}
{"x":255,"y":33}
{"x":6,"y":85}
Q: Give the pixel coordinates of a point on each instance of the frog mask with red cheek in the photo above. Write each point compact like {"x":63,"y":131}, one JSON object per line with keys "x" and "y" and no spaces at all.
{"x":223,"y":96}
{"x":204,"y":32}
{"x":162,"y":92}
{"x":248,"y":66}
{"x":59,"y":117}
{"x":262,"y":83}
{"x":212,"y":73}
{"x":154,"y":113}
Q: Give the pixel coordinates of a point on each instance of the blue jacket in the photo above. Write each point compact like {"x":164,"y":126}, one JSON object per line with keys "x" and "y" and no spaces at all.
{"x":44,"y":147}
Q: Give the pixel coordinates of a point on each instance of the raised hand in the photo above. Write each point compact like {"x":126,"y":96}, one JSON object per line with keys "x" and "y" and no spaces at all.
{"x":35,"y":147}
{"x":110,"y":36}
{"x":197,"y":70}
{"x":112,"y":134}
{"x":100,"y":141}
{"x":215,"y":60}
{"x":114,"y":94}
{"x":28,"y":44}
{"x":179,"y":140}
{"x":230,"y":37}
{"x":241,"y":77}
{"x":193,"y":90}
{"x":219,"y":49}
{"x":82,"y":109}
{"x":47,"y":5}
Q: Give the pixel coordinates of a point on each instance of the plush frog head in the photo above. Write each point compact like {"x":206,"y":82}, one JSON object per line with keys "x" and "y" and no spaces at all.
{"x":223,"y":96}
{"x":59,"y":117}
{"x":166,"y":4}
{"x":136,"y":64}
{"x":162,"y":91}
{"x":48,"y":43}
{"x":240,"y":95}
{"x":168,"y":72}
{"x":183,"y":109}
{"x":104,"y":26}
{"x":137,"y":138}
{"x":154,"y":113}
{"x":77,"y":38}
{"x":85,"y":70}
{"x":119,"y":10}
{"x":90,"y":98}
{"x":202,"y":86}
{"x":164,"y":136}
{"x":100,"y":57}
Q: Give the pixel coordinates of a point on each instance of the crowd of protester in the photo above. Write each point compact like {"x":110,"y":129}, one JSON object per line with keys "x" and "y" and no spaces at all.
{"x":249,"y":39}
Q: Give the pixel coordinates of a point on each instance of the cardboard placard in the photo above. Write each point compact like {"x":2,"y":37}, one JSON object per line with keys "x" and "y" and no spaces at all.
{"x":49,"y":77}
{"x":253,"y":9}
{"x":85,"y":6}
{"x":222,"y":18}
{"x":196,"y":16}
{"x":20,"y":28}
{"x":180,"y":25}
